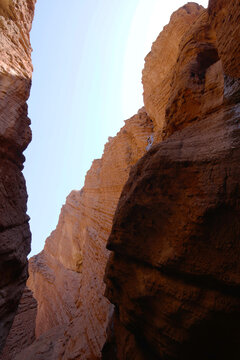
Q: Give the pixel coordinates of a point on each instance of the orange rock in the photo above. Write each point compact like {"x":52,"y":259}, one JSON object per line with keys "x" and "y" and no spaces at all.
{"x":160,"y":64}
{"x":197,"y":85}
{"x":67,"y":276}
{"x":224,"y":15}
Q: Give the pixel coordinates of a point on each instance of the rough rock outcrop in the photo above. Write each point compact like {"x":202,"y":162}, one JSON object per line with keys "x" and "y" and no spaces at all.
{"x":174,"y":271}
{"x":15,"y":81}
{"x":67,"y":276}
{"x":22,"y":333}
{"x":197,"y":85}
{"x":161,"y":61}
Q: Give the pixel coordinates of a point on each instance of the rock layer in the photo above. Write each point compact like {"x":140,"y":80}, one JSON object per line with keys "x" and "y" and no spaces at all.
{"x":67,"y":276}
{"x":15,"y":81}
{"x":174,"y":271}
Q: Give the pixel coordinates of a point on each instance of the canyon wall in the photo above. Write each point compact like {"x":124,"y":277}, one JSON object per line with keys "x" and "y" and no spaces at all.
{"x":67,"y":276}
{"x":173,"y":273}
{"x":160,"y":64}
{"x":15,"y":134}
{"x":172,"y":229}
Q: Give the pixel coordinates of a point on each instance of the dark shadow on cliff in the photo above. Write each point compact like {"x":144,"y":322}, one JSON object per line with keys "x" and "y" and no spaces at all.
{"x":216,"y":338}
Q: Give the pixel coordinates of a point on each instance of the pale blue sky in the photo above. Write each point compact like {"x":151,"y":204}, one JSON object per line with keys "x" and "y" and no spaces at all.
{"x":88,"y":56}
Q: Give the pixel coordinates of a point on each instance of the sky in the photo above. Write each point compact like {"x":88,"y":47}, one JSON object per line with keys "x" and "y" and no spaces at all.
{"x":88,"y":57}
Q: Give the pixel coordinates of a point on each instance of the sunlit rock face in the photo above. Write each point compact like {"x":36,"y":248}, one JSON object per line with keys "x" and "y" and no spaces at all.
{"x":15,"y":81}
{"x":224,"y":17}
{"x":197,"y":86}
{"x":173,"y":274}
{"x":161,"y":61}
{"x":67,"y":276}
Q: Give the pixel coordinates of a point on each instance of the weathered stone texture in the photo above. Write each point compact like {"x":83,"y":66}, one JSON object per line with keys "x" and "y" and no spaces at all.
{"x":22,"y":333}
{"x":197,"y":85}
{"x":15,"y":134}
{"x":176,"y":283}
{"x":173,"y":274}
{"x":67,"y":276}
{"x":174,"y":271}
{"x":160,"y":64}
{"x":224,"y":15}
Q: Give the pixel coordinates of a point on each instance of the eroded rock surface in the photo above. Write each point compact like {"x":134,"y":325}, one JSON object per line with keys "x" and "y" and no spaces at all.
{"x":197,"y":86}
{"x":161,"y":61}
{"x":224,"y":16}
{"x":176,"y":283}
{"x":15,"y":81}
{"x":22,"y":333}
{"x":174,"y":271}
{"x":67,"y":276}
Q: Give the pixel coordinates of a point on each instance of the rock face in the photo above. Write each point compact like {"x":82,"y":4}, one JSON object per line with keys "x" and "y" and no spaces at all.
{"x":15,"y":81}
{"x":161,"y":61}
{"x":55,"y":276}
{"x":22,"y":333}
{"x":224,"y":16}
{"x":197,"y":85}
{"x":173,"y":274}
{"x":174,"y":271}
{"x":67,"y":276}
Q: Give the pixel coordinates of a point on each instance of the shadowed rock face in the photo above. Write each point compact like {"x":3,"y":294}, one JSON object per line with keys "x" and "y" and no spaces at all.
{"x":175,"y":268}
{"x":174,"y":271}
{"x":15,"y":134}
{"x":22,"y":333}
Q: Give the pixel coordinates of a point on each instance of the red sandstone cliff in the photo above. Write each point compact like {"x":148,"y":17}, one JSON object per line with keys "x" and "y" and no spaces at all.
{"x":160,"y":64}
{"x":174,"y":271}
{"x":173,"y":274}
{"x":67,"y":276}
{"x":15,"y":134}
